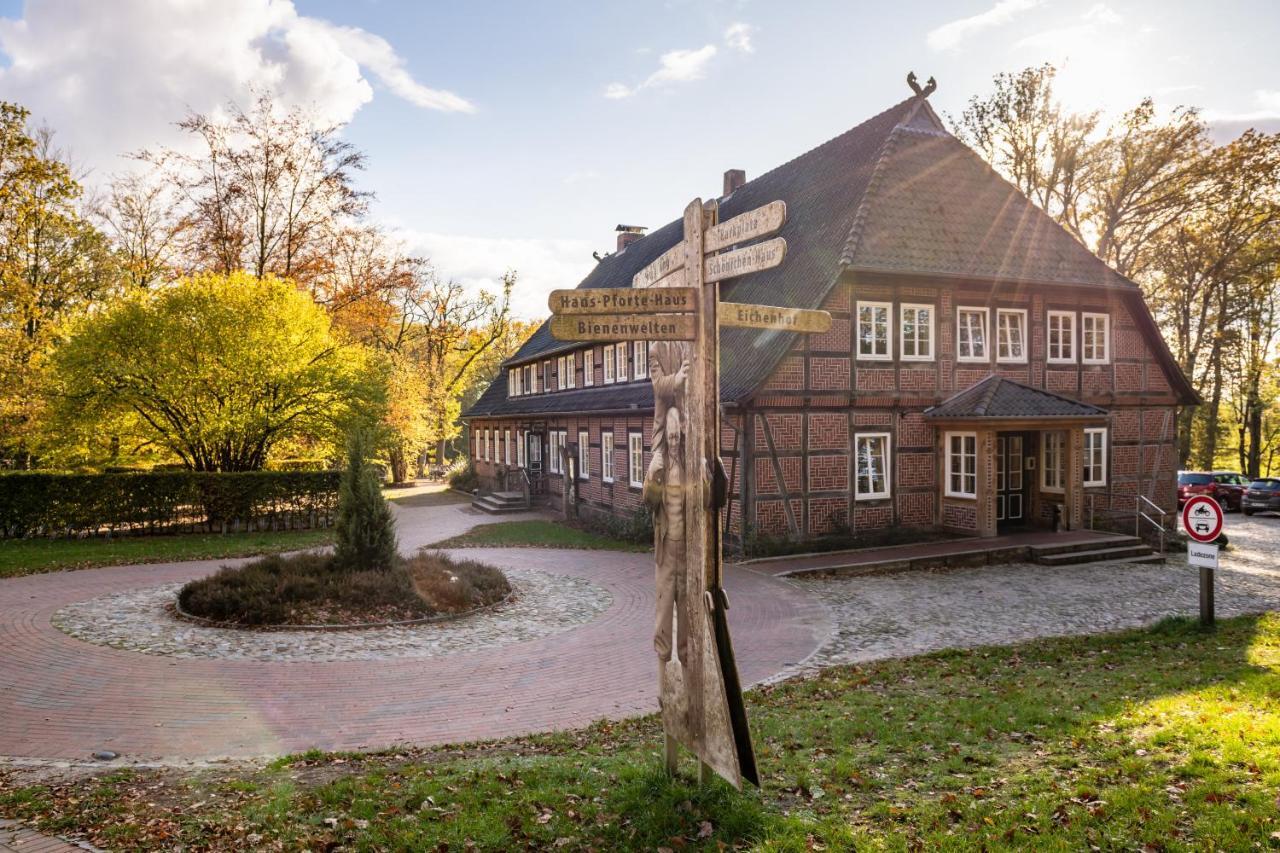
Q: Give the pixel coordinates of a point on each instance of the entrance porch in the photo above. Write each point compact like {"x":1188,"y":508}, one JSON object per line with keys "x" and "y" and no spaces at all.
{"x":1012,"y":457}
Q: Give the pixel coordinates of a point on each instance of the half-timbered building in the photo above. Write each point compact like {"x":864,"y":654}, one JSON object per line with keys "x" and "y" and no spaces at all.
{"x":983,"y":370}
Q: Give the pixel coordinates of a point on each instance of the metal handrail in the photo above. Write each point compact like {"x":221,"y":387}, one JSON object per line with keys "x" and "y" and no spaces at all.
{"x":1139,"y":516}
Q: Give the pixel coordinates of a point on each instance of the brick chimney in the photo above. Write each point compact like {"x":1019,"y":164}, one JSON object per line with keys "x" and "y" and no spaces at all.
{"x":733,"y":179}
{"x":628,"y":234}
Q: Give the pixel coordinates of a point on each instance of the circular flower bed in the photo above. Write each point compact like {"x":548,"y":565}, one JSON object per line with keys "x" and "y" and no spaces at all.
{"x":311,"y":590}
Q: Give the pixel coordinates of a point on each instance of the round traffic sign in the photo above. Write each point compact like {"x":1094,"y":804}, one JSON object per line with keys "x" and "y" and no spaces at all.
{"x":1202,"y":518}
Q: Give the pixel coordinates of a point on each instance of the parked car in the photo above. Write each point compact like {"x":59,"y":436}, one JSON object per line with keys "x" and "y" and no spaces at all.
{"x":1261,"y":496}
{"x":1226,"y":487}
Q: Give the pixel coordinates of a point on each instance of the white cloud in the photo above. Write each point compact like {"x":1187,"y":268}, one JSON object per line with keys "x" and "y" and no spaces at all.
{"x":738,"y":37}
{"x":112,"y":78}
{"x":950,"y":35}
{"x":1266,"y":101}
{"x":1103,"y":14}
{"x":1073,"y":36}
{"x":683,"y":66}
{"x":478,"y":263}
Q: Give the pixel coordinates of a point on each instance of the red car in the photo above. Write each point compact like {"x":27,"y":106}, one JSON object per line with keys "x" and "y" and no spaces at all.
{"x":1226,"y":487}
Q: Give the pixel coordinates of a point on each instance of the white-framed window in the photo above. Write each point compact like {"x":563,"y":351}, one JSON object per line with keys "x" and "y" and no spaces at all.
{"x":584,"y":455}
{"x":620,"y":354}
{"x":506,"y":446}
{"x":521,"y":440}
{"x":606,"y":456}
{"x":546,"y":376}
{"x":608,"y":364}
{"x":553,"y":448}
{"x":1095,"y":338}
{"x":1011,"y":335}
{"x":640,"y":359}
{"x":486,"y":445}
{"x":635,"y":459}
{"x":1095,"y":456}
{"x":875,"y":341}
{"x":971,"y":334}
{"x":530,"y":382}
{"x":571,"y":370}
{"x":871,"y":466}
{"x":1061,"y":332}
{"x":588,"y":367}
{"x":917,"y":332}
{"x":962,"y":465}
{"x":511,"y":384}
{"x":1053,"y":459}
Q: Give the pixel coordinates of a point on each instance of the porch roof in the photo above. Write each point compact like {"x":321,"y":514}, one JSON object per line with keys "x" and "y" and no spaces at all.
{"x":998,"y":398}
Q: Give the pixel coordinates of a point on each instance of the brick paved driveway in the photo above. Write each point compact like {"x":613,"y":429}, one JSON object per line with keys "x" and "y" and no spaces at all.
{"x":63,"y":698}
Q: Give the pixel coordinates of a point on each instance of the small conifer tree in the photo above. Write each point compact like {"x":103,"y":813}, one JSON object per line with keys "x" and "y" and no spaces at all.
{"x":366,"y":534}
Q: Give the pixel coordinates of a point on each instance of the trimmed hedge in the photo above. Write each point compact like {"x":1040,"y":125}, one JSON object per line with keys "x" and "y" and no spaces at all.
{"x":62,"y":505}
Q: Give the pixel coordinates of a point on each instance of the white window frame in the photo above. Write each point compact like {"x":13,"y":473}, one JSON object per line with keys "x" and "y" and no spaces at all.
{"x":588,"y":367}
{"x":1101,"y":434}
{"x":571,"y":365}
{"x":530,"y":379}
{"x":608,"y":364}
{"x":640,"y":359}
{"x":902,"y":334}
{"x":950,"y":455}
{"x":506,"y":446}
{"x":486,"y":444}
{"x":606,"y":456}
{"x":1021,"y":315}
{"x":584,"y":455}
{"x":1060,"y":468}
{"x":1070,"y":317}
{"x":985,"y":313}
{"x":511,"y":384}
{"x":1106,"y":338}
{"x":521,"y":440}
{"x":888,"y":466}
{"x":620,"y":353}
{"x":553,"y":450}
{"x":887,"y":355}
{"x":635,"y":459}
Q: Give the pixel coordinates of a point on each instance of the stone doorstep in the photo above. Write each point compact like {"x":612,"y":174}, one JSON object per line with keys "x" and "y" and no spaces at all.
{"x":967,"y":558}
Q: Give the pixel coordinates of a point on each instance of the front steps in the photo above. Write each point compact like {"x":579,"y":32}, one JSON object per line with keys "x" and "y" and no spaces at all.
{"x":501,"y":503}
{"x":1118,"y":549}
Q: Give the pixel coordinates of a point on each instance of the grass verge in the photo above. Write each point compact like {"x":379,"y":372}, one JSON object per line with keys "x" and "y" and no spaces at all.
{"x":537,"y":533}
{"x":32,"y":556}
{"x":1156,"y":740}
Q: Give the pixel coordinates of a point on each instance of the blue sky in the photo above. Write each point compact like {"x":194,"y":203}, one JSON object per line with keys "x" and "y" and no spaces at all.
{"x":491,"y":134}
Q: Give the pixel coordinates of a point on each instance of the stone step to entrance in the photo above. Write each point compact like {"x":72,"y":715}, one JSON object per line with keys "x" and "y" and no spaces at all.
{"x":1116,"y":541}
{"x":1126,"y":553}
{"x":499,"y":503}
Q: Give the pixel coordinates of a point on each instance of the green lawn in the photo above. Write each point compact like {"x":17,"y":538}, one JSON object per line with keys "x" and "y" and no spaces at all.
{"x":1160,"y":740}
{"x":536,"y":534}
{"x":30,"y":556}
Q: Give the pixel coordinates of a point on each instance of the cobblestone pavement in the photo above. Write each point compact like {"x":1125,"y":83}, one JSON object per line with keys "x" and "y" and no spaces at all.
{"x":137,"y":620}
{"x":913,"y":612}
{"x":63,"y":698}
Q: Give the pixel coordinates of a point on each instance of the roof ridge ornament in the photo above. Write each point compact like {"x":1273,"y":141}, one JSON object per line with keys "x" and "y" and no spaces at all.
{"x":928,"y":89}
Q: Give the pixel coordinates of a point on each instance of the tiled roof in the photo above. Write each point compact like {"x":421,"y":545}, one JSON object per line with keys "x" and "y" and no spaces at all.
{"x":601,"y":398}
{"x":998,"y":397}
{"x":896,"y":194}
{"x":935,"y":206}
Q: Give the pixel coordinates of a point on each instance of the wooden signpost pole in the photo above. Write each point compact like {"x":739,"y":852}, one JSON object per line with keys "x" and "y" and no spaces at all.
{"x":674,"y":303}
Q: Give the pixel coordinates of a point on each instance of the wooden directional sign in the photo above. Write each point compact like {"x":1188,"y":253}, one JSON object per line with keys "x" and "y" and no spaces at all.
{"x":754,"y":258}
{"x":617,"y":300}
{"x":624,"y":327}
{"x":771,"y":317}
{"x":667,"y":263}
{"x":746,"y":226}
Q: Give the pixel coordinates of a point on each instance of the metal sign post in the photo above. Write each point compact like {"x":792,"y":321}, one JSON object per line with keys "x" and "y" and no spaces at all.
{"x":1202,"y":521}
{"x":674,"y":303}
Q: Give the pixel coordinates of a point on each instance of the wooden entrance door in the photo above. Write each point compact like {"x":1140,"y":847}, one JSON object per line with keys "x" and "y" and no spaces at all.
{"x":1011,"y":480}
{"x":534,"y":467}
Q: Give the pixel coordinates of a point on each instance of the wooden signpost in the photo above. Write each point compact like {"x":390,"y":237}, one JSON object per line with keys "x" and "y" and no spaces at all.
{"x":675,"y":304}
